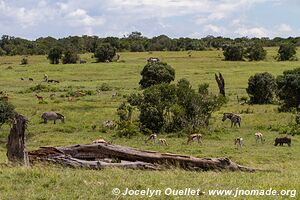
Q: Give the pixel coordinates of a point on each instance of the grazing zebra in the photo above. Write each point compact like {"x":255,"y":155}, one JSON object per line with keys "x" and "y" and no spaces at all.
{"x":235,"y":119}
{"x":52,"y":116}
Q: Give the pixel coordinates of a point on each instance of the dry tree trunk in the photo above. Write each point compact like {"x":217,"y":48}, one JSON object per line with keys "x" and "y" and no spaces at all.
{"x":16,"y":141}
{"x":221,"y":83}
{"x":94,"y":155}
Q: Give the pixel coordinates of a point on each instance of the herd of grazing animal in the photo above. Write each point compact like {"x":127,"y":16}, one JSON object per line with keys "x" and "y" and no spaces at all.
{"x":234,"y":119}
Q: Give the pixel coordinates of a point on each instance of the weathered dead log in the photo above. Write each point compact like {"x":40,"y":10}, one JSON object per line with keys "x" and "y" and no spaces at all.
{"x":16,"y":141}
{"x":85,"y":154}
{"x":221,"y":83}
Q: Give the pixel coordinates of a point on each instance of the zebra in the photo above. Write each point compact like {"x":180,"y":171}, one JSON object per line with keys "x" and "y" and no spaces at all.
{"x":235,"y":119}
{"x":52,"y":116}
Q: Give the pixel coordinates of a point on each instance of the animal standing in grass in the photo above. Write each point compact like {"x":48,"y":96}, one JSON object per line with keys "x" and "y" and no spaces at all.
{"x":283,"y":140}
{"x":40,"y":98}
{"x":193,"y":137}
{"x":152,"y":137}
{"x":163,"y":141}
{"x":235,"y":119}
{"x":239,"y":142}
{"x":52,"y":116}
{"x":259,"y":137}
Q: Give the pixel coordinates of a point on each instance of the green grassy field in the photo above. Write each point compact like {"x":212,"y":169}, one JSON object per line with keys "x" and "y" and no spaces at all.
{"x":53,"y":182}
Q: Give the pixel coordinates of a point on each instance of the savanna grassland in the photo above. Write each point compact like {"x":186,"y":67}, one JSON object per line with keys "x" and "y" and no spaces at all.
{"x":53,"y":182}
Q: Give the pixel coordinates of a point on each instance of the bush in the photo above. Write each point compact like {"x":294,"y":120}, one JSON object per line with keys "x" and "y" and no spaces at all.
{"x":105,"y":52}
{"x":286,"y":52}
{"x":233,"y":52}
{"x":105,"y":87}
{"x":54,"y":55}
{"x":288,"y":90}
{"x":7,"y":112}
{"x":261,"y":88}
{"x":256,"y":52}
{"x":24,"y":61}
{"x":156,"y":73}
{"x":172,"y":108}
{"x":42,"y":88}
{"x":70,"y":57}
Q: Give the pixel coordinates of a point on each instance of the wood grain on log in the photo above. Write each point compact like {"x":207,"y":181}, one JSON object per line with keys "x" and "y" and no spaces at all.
{"x":90,"y":155}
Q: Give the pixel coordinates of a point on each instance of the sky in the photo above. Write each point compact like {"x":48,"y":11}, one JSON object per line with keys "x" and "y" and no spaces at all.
{"x":32,"y":19}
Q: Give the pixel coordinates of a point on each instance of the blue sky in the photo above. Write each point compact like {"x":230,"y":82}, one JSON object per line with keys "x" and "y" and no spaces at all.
{"x":176,"y":18}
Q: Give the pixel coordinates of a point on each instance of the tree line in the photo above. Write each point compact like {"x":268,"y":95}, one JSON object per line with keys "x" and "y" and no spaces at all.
{"x":134,"y":42}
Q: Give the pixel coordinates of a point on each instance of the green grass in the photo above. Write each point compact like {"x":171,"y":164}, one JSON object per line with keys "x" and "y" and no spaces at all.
{"x":53,"y":182}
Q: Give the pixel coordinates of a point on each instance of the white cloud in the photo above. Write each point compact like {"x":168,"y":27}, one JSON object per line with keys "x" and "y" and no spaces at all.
{"x":284,"y":28}
{"x":252,"y":32}
{"x":213,"y":29}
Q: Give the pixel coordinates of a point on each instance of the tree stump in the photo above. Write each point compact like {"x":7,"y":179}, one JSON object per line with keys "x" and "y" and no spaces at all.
{"x":16,"y":141}
{"x":221,"y":83}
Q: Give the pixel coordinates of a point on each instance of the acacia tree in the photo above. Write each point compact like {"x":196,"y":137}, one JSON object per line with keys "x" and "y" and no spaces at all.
{"x":156,"y":73}
{"x":54,"y":55}
{"x":261,"y":88}
{"x":286,"y":52}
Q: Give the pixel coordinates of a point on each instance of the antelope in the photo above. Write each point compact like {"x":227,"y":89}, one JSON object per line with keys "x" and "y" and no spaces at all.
{"x":40,"y":98}
{"x":259,"y":136}
{"x":152,"y":137}
{"x":239,"y":142}
{"x":52,"y":116}
{"x":235,"y":119}
{"x":163,"y":141}
{"x":193,"y":137}
{"x":31,"y":79}
{"x":94,"y":127}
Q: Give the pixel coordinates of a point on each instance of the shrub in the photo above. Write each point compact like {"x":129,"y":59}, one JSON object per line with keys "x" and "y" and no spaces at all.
{"x":255,"y":52}
{"x":105,"y":87}
{"x":54,"y":55}
{"x":286,"y":52}
{"x":24,"y":61}
{"x":288,"y":90}
{"x":261,"y":88}
{"x":233,"y":52}
{"x":105,"y":52}
{"x":156,"y":73}
{"x":70,"y":57}
{"x":7,"y":112}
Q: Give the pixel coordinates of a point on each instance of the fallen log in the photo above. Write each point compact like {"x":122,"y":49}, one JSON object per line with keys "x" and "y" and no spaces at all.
{"x":93,"y":156}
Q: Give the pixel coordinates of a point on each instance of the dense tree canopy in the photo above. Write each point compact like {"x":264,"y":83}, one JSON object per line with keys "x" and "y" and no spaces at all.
{"x":287,"y":52}
{"x":133,"y":42}
{"x":261,"y":88}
